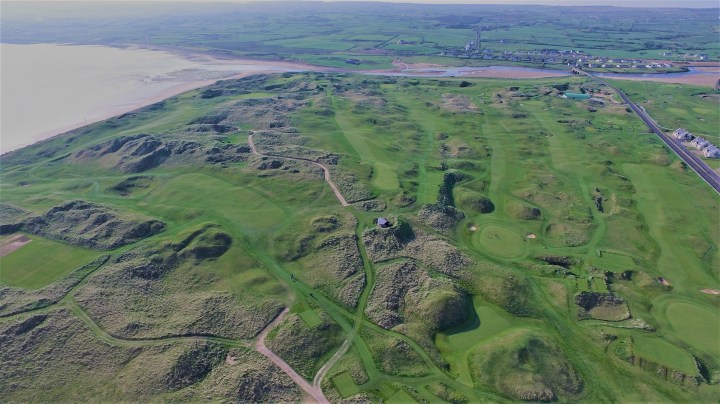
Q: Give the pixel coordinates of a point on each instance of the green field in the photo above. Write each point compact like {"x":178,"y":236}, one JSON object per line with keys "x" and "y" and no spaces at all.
{"x":500,"y":241}
{"x":611,"y":261}
{"x":697,"y":325}
{"x":331,"y":34}
{"x":311,"y":318}
{"x":41,"y":262}
{"x":664,"y":353}
{"x":345,"y":384}
{"x":454,"y":302}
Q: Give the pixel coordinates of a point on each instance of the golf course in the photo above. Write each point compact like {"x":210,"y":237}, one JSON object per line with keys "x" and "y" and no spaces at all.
{"x":224,"y":245}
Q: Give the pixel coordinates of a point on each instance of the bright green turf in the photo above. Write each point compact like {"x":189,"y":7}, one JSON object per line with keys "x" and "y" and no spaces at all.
{"x":400,"y":397}
{"x":664,"y":353}
{"x":345,"y":385}
{"x":611,"y":261}
{"x":500,"y":241}
{"x":311,"y":318}
{"x":697,"y":325}
{"x":41,"y":262}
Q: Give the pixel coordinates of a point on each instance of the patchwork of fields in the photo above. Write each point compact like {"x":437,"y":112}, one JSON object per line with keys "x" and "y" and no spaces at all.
{"x":528,"y":235}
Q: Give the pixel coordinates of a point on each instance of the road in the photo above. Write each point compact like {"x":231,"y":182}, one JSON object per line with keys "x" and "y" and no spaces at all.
{"x":326,"y":170}
{"x":711,"y":177}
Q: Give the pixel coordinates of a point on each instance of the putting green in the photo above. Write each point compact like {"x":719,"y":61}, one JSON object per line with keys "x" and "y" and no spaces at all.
{"x":500,"y":241}
{"x":697,"y":325}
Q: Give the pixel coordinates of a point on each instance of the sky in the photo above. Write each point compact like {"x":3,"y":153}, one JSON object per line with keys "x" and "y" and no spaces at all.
{"x":620,"y":3}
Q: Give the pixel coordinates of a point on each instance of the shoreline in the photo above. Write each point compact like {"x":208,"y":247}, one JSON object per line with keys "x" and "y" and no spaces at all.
{"x":708,"y":77}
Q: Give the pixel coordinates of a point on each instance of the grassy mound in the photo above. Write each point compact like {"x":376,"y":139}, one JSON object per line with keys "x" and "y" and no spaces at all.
{"x":181,"y":288}
{"x":511,"y":292}
{"x":442,"y":218}
{"x":306,"y":348}
{"x":405,"y":293}
{"x":91,"y":225}
{"x":526,"y":366}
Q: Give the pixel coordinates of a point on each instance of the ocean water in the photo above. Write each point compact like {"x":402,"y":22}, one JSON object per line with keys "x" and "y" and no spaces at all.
{"x":47,"y":89}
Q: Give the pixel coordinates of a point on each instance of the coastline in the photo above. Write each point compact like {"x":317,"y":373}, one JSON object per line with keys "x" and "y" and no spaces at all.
{"x":706,"y":75}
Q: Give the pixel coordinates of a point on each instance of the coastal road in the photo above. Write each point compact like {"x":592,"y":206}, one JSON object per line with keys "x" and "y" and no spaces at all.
{"x":711,"y":177}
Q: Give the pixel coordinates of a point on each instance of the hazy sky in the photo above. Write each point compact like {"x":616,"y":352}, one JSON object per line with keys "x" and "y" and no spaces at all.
{"x":622,"y":3}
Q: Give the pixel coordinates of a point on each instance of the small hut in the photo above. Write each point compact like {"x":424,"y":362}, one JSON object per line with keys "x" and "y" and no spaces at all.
{"x":383,"y":222}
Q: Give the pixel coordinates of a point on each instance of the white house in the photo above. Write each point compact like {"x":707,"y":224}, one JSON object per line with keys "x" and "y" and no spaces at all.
{"x":682,"y":134}
{"x":700,"y":143}
{"x":712,"y":152}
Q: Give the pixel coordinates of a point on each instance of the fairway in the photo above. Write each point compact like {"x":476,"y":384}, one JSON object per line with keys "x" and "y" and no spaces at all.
{"x":241,"y":205}
{"x":500,"y":241}
{"x":41,"y":262}
{"x":457,"y":344}
{"x":311,"y":318}
{"x":664,"y":353}
{"x":611,"y":261}
{"x":698,"y":326}
{"x":345,"y":385}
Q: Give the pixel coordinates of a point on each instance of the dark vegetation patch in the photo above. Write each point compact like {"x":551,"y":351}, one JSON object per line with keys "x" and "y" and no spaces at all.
{"x":601,"y":306}
{"x":132,"y":185}
{"x":194,"y":364}
{"x":510,"y":291}
{"x":475,"y":203}
{"x":402,"y":240}
{"x":91,"y":225}
{"x":442,"y":218}
{"x":306,"y":348}
{"x":406,"y":294}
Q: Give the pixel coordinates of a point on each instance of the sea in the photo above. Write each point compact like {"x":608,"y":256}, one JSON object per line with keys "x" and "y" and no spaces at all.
{"x":48,"y":89}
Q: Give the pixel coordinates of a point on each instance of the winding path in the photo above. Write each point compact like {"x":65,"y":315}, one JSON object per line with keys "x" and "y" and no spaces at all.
{"x":325,"y":168}
{"x":313,"y":391}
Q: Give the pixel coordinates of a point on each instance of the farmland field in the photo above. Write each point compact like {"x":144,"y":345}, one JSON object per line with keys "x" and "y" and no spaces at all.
{"x":378,"y":33}
{"x":526,"y":235}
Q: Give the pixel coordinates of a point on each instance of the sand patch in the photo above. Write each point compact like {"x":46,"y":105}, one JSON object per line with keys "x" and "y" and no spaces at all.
{"x":12,"y":243}
{"x":711,"y":291}
{"x":472,"y":227}
{"x":531,"y":236}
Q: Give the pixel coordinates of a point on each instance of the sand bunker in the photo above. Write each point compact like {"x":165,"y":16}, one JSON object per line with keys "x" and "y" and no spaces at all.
{"x":12,"y":243}
{"x":531,"y":236}
{"x":711,"y":291}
